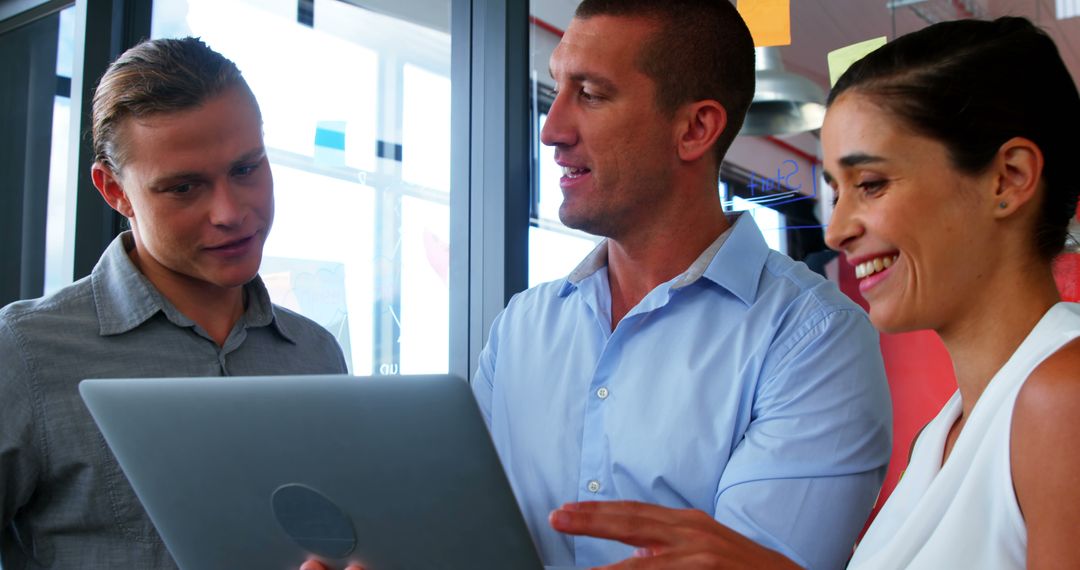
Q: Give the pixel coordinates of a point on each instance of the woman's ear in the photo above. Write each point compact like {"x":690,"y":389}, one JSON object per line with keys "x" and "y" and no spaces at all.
{"x":108,"y":185}
{"x":1019,"y":167}
{"x":702,"y":123}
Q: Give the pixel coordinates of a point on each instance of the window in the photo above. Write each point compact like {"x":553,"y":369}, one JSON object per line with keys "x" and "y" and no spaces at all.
{"x":767,"y":219}
{"x":59,"y":225}
{"x":554,"y":249}
{"x":357,"y":128}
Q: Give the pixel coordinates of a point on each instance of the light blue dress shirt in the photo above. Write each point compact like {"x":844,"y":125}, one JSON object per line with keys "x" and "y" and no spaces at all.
{"x":747,"y":387}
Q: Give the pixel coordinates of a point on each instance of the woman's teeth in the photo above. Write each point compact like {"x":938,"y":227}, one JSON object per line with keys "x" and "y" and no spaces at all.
{"x":868,"y":268}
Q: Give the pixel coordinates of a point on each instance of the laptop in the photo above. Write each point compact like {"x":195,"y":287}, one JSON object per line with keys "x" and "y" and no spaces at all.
{"x":391,"y":472}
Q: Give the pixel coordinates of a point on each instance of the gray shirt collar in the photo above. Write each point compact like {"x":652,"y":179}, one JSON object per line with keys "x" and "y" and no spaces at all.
{"x":125,"y":298}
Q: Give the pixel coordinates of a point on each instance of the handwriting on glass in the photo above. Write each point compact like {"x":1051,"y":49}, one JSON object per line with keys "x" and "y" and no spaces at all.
{"x":784,"y":188}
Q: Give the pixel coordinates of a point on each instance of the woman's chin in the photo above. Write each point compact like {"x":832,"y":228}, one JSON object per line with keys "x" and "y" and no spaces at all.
{"x":890,"y":321}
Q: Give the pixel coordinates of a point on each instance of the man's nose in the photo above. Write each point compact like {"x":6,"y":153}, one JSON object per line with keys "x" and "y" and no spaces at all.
{"x":559,"y":128}
{"x":228,"y":207}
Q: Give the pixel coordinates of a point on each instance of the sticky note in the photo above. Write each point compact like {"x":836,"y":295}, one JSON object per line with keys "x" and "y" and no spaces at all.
{"x":840,"y":60}
{"x":330,"y":143}
{"x":769,"y":21}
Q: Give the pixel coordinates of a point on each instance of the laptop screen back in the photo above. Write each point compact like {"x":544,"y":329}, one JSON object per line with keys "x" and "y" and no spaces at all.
{"x":267,"y":472}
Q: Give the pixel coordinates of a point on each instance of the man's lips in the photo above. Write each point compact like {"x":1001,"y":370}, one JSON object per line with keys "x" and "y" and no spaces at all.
{"x":566,"y":163}
{"x":232,"y":245}
{"x":572,"y":173}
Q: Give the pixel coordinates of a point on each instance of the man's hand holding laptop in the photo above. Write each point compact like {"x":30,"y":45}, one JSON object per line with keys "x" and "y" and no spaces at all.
{"x":666,"y":538}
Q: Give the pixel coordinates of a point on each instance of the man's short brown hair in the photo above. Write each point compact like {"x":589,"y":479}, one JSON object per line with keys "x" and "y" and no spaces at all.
{"x":157,"y":76}
{"x":703,"y":50}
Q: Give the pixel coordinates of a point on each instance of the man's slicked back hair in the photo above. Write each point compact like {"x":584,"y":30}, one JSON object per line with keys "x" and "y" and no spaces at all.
{"x":702,"y":50}
{"x":157,"y":76}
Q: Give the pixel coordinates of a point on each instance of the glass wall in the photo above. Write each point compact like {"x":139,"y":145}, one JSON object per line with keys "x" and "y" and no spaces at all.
{"x":35,"y":85}
{"x":357,"y":128}
{"x":59,"y":225}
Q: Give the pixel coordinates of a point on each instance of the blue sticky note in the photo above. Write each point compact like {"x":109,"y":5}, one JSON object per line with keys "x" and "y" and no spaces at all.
{"x":330,"y":143}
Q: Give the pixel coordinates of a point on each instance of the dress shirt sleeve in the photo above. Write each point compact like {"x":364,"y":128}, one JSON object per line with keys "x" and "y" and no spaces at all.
{"x":809,"y":467}
{"x":20,"y":460}
{"x":342,"y":366}
{"x":483,"y":382}
{"x":317,"y":340}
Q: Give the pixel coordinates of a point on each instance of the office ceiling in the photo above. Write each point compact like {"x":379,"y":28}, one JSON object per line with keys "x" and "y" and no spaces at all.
{"x":820,"y":26}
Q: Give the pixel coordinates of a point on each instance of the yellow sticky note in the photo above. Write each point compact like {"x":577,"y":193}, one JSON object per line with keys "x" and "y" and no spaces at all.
{"x":840,"y":60}
{"x":769,"y":21}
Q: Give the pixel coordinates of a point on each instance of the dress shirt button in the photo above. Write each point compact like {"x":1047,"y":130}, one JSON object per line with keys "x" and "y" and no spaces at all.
{"x":602,"y":393}
{"x":594,"y":486}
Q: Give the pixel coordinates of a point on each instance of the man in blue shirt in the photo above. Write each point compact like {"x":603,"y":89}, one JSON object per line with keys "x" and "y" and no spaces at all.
{"x":683,"y":362}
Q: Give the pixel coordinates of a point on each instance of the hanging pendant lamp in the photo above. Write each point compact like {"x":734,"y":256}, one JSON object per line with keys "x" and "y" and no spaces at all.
{"x":784,"y":103}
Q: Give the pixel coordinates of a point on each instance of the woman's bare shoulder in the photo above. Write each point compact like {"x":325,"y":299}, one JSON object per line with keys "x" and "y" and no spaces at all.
{"x":1044,"y":461}
{"x":1053,"y":386}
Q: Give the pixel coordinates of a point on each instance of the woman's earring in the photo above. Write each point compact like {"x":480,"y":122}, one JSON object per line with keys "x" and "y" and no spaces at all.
{"x":1003,"y":205}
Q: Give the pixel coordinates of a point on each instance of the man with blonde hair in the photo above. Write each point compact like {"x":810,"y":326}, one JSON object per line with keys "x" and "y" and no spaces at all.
{"x":179,"y":153}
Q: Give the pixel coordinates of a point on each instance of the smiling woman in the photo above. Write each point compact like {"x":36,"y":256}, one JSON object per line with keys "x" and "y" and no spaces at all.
{"x":948,"y":151}
{"x":902,"y":202}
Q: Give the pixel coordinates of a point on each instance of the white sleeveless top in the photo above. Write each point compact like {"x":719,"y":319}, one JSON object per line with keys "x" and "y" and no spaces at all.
{"x":965,"y":514}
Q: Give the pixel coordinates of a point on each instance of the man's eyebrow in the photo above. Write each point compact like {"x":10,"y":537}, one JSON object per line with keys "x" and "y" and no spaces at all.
{"x":172,"y":177}
{"x":253,"y":154}
{"x":601,"y":82}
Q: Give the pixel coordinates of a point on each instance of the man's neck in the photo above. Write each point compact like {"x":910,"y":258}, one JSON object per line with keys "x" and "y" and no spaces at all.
{"x":215,"y":309}
{"x":639,"y":263}
{"x":216,"y":312}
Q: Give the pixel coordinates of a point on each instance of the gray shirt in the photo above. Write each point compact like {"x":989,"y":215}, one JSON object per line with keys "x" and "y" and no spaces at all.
{"x":63,"y":499}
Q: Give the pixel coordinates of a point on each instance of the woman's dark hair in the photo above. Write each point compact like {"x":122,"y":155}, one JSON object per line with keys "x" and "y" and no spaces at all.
{"x":973,"y":85}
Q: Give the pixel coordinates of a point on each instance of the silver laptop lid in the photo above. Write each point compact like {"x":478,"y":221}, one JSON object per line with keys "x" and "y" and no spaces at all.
{"x":266,"y":472}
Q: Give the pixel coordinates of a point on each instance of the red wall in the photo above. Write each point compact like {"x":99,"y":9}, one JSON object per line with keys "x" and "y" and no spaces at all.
{"x":921,"y":380}
{"x":1067,"y":273}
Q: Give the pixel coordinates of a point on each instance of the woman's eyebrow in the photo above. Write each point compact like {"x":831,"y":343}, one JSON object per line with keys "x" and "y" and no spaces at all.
{"x":859,"y":159}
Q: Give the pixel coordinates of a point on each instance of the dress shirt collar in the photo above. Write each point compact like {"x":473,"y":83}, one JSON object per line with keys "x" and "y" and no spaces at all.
{"x":745,"y":249}
{"x":125,"y":298}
